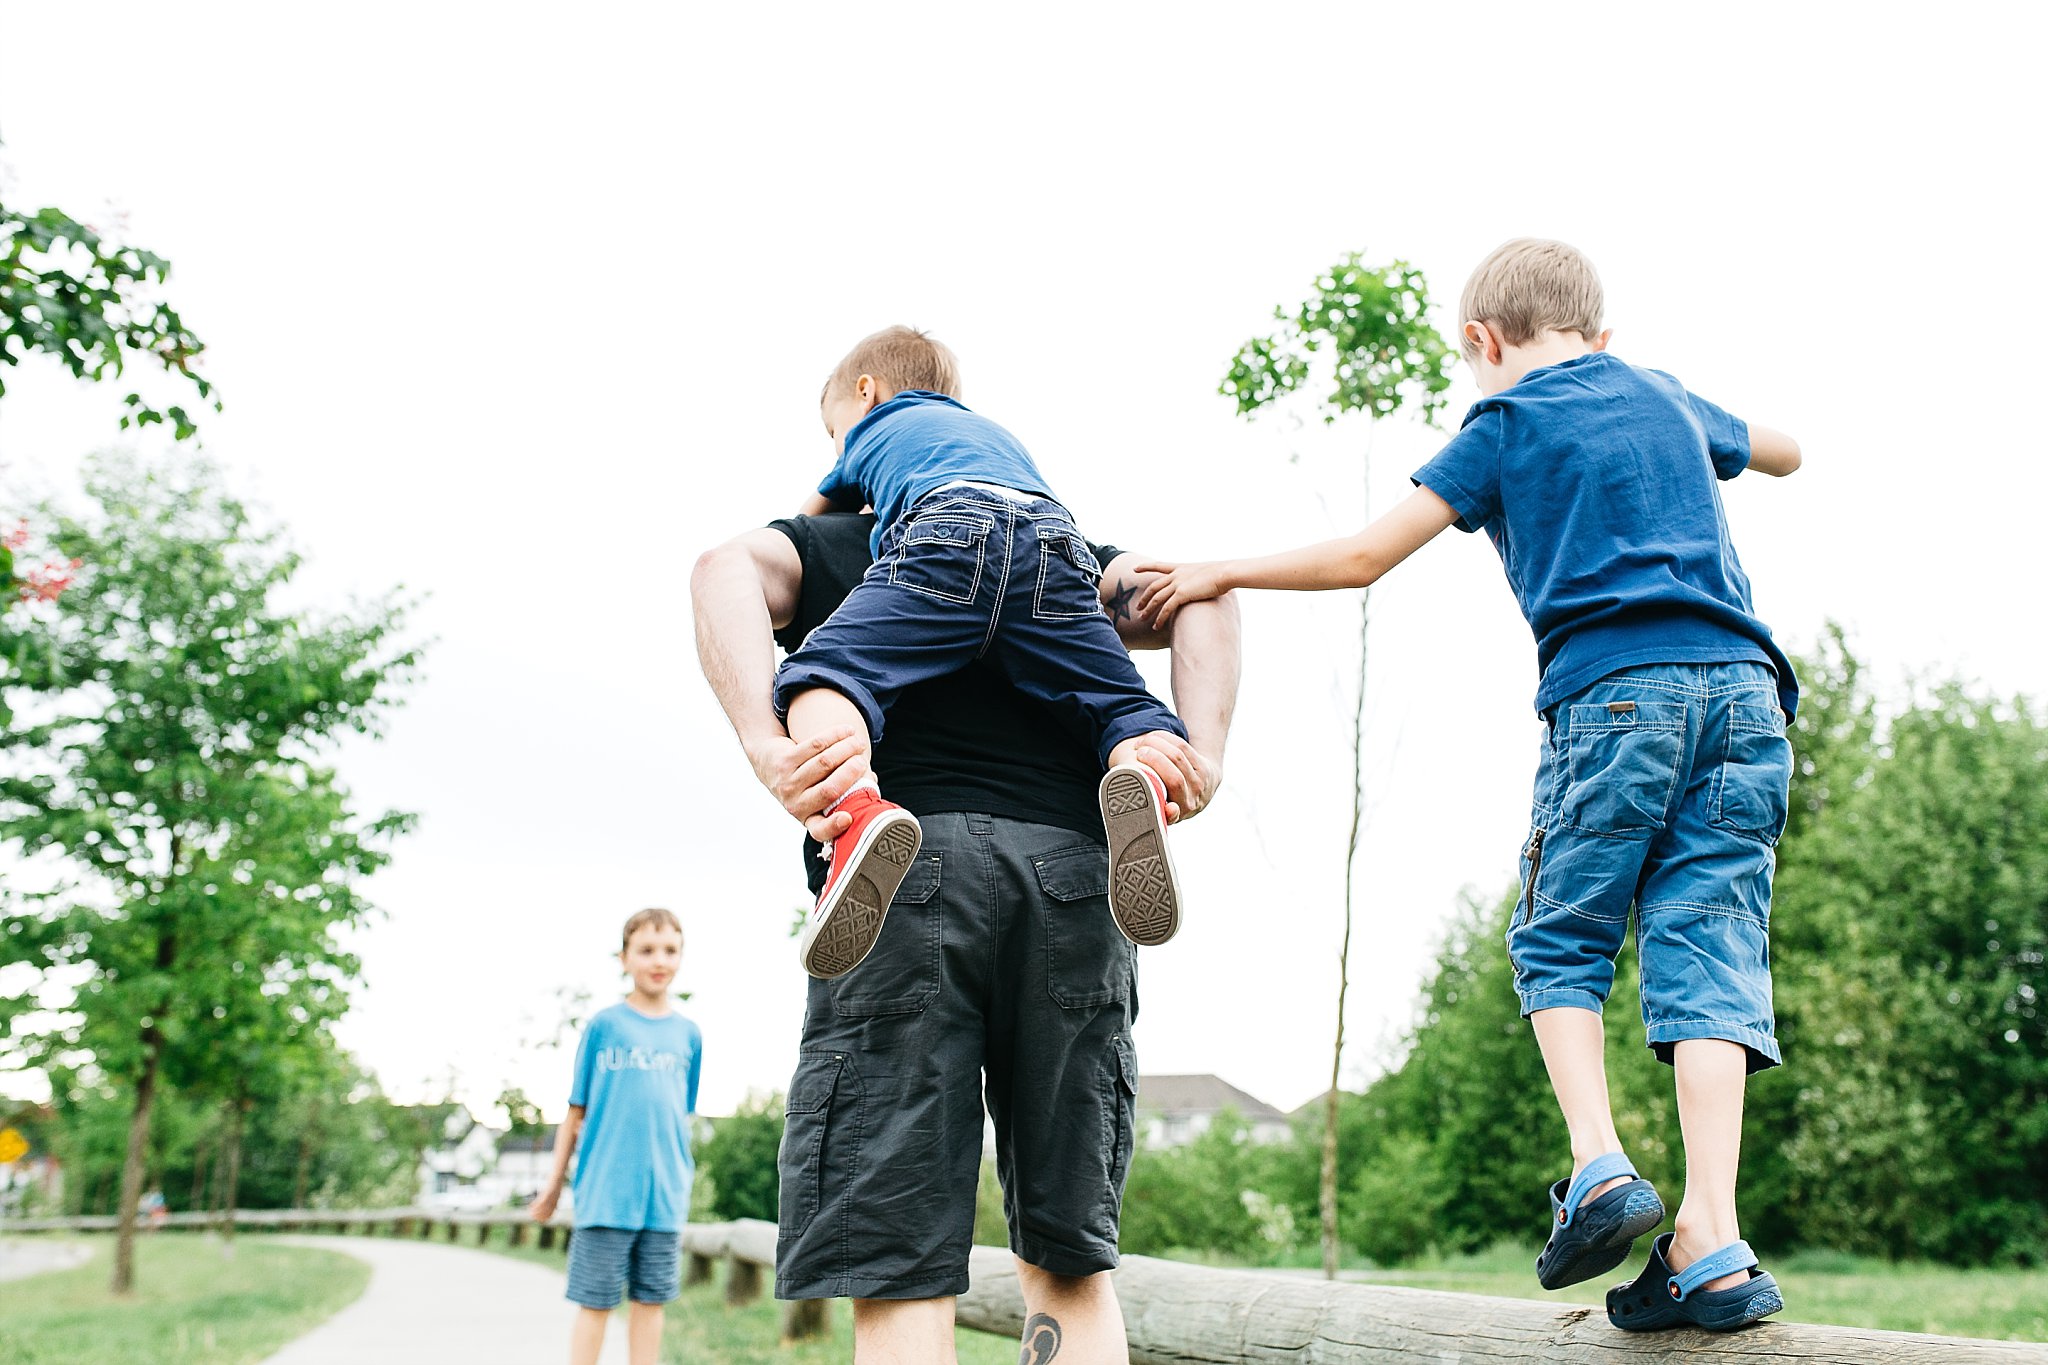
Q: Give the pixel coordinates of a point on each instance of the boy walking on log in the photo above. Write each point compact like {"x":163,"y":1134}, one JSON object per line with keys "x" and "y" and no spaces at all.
{"x":1662,"y":784}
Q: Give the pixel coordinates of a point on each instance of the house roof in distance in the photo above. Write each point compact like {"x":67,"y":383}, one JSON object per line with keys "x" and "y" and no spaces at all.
{"x":1203,"y":1094}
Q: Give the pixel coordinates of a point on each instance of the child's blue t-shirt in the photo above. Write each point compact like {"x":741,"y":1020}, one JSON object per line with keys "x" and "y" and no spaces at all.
{"x":1595,"y":480}
{"x":919,"y":441}
{"x":636,"y":1080}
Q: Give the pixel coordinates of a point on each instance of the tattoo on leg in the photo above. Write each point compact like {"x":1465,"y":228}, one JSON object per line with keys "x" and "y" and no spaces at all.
{"x":1041,"y":1340}
{"x":1119,"y":604}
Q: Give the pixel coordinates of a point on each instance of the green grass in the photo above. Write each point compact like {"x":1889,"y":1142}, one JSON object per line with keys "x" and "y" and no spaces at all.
{"x":1845,"y":1291}
{"x":190,"y":1306}
{"x":702,"y":1327}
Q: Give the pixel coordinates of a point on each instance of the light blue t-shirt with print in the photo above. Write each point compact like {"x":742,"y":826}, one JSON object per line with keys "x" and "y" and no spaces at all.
{"x":636,"y":1080}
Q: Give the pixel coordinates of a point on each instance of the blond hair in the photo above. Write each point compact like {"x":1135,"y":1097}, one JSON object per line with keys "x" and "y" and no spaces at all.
{"x":642,"y":919}
{"x":1531,"y":286}
{"x":899,"y":358}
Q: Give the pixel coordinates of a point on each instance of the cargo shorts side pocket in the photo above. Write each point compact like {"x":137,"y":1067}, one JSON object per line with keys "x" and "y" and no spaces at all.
{"x":1121,"y":1136}
{"x":807,"y":1116}
{"x":1088,"y":962}
{"x":901,"y":975}
{"x":1621,"y":766}
{"x":1752,"y":789}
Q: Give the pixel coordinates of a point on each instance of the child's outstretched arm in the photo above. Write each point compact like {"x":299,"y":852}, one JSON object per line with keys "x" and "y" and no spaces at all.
{"x":1772,"y":452}
{"x":1355,"y":561}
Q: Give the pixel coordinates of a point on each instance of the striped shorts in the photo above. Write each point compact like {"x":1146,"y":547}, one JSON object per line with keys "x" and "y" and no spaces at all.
{"x":647,"y":1265}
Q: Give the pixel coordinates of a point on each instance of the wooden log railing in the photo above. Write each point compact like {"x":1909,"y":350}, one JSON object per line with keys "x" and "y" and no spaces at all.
{"x":1177,"y":1314}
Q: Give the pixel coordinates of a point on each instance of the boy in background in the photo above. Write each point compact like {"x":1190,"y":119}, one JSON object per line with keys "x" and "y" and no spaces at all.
{"x":629,"y":1129}
{"x":1663,"y":781}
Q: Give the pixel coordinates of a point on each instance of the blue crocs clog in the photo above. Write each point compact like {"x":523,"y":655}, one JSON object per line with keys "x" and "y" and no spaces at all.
{"x":1593,"y":1239}
{"x":1659,"y":1298}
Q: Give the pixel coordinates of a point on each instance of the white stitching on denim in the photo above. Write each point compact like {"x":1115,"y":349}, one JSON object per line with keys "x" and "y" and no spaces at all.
{"x":1571,"y":909}
{"x":1696,"y":907}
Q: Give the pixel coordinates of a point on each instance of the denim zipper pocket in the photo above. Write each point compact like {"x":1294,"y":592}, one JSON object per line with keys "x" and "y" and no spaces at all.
{"x":1534,"y":853}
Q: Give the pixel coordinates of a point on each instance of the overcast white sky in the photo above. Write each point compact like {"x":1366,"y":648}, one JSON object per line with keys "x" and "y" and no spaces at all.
{"x":523,"y":306}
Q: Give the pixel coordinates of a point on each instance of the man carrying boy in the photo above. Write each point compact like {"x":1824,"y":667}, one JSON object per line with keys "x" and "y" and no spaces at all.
{"x":1663,"y":778}
{"x":976,"y":564}
{"x":1000,"y":955}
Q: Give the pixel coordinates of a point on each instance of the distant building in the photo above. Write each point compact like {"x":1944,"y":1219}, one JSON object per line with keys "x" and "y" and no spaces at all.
{"x":1175,"y":1110}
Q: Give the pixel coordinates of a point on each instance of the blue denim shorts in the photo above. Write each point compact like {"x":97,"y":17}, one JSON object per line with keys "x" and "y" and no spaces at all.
{"x":647,"y":1265}
{"x":1662,"y":790}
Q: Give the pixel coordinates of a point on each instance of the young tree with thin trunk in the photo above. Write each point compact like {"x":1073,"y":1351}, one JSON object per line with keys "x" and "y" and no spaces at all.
{"x":169,"y":771}
{"x":1368,"y":327}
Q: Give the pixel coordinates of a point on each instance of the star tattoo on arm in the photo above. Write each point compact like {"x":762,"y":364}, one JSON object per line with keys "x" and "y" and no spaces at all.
{"x":1118,"y":607}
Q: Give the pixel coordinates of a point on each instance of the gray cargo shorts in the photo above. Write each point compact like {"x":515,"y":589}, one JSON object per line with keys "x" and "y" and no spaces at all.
{"x":999,"y":956}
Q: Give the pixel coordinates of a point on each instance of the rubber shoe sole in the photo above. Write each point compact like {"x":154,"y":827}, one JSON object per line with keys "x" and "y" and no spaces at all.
{"x":1144,"y":897}
{"x":843,"y":929}
{"x":1610,"y":1236}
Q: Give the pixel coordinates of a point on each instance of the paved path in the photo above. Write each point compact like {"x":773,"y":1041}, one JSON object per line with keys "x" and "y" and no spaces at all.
{"x":21,"y":1256}
{"x":444,"y":1305}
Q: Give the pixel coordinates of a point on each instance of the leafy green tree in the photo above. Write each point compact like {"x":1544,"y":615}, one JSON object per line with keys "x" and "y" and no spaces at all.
{"x":1213,"y":1194}
{"x":1368,"y":328}
{"x":174,"y":774}
{"x":739,"y":1158}
{"x":93,"y":305}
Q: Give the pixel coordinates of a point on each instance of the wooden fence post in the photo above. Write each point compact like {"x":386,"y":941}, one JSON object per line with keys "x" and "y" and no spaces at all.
{"x":696,"y":1269}
{"x":742,"y":1281}
{"x":806,"y":1319}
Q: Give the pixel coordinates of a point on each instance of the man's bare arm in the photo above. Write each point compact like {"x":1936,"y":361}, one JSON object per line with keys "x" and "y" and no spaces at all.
{"x":1205,"y":640}
{"x":741,"y":592}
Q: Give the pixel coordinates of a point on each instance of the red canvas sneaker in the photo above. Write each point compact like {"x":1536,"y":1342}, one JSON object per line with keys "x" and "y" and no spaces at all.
{"x":868,"y":863}
{"x":1144,"y":898}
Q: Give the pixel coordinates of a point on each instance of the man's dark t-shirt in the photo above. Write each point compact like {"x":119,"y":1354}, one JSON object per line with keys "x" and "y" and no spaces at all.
{"x":965,"y":742}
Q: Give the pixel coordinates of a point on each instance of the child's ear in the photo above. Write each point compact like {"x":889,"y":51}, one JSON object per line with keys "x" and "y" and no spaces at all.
{"x":1600,"y":342}
{"x":1481,"y":338}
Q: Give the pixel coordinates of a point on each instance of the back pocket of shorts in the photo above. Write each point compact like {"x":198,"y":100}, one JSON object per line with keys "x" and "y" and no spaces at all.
{"x":1751,"y":790}
{"x":805,"y":1118}
{"x":901,"y":975}
{"x":1088,"y":962}
{"x":941,"y":556}
{"x":1069,"y":579}
{"x":1621,"y":763}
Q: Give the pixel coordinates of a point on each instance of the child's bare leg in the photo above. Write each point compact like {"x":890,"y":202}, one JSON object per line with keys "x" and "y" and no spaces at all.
{"x":1711,"y":1075}
{"x":587,"y":1336}
{"x":819,"y":711}
{"x":643,"y":1334}
{"x":1574,"y":1052}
